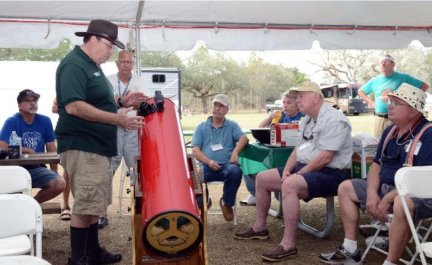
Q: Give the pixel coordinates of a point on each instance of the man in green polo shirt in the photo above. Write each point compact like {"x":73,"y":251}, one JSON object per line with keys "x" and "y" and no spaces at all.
{"x":87,"y":135}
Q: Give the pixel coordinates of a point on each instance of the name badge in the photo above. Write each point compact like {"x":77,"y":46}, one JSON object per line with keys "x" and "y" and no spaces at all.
{"x":216,"y":147}
{"x":417,"y":148}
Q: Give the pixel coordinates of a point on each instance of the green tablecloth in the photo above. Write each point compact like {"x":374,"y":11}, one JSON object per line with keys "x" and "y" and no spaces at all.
{"x":257,"y":157}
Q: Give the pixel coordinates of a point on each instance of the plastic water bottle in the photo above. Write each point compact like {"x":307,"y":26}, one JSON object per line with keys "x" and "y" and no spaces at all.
{"x":14,"y":146}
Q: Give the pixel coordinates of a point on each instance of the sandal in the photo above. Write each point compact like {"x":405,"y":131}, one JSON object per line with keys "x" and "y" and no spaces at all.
{"x":65,"y":214}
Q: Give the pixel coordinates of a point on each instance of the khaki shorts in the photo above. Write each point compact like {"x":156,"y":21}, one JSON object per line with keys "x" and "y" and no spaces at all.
{"x":379,"y":124}
{"x":89,"y":176}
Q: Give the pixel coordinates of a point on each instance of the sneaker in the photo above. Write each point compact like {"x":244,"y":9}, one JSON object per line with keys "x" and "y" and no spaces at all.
{"x":279,"y":254}
{"x":106,"y":257}
{"x":249,"y":201}
{"x":251,"y":234}
{"x":103,"y":221}
{"x":381,"y":242}
{"x":227,"y":211}
{"x":341,"y":256}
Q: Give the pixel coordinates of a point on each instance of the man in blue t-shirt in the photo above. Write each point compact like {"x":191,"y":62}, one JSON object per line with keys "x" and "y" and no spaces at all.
{"x":289,"y":113}
{"x":217,"y":143}
{"x":36,"y":132}
{"x":380,"y":86}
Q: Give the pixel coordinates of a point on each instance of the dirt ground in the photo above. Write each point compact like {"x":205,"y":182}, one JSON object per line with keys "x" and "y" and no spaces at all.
{"x":223,"y":249}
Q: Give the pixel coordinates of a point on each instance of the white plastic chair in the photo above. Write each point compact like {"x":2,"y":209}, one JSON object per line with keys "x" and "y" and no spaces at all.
{"x":212,"y":211}
{"x":415,"y":182}
{"x":15,"y":179}
{"x":124,"y":172}
{"x":20,"y":222}
{"x":22,"y":260}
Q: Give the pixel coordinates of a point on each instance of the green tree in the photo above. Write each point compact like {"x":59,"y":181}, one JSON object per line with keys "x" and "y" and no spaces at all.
{"x":347,"y":66}
{"x":266,"y":82}
{"x":7,"y":54}
{"x":203,"y":76}
{"x":160,"y":59}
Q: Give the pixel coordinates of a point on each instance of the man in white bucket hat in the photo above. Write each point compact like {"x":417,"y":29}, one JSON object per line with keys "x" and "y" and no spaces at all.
{"x":378,"y":190}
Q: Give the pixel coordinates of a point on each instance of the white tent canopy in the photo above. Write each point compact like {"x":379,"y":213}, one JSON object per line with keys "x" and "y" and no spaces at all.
{"x":223,"y":25}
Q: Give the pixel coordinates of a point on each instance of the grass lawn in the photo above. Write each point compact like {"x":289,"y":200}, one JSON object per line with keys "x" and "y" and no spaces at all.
{"x":361,"y":123}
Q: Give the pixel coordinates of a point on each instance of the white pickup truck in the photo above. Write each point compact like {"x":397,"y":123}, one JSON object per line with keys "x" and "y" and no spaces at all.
{"x":276,"y":106}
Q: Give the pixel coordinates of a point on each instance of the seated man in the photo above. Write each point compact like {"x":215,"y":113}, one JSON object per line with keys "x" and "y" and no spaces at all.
{"x":377,"y":194}
{"x":318,"y":164}
{"x":289,"y":114}
{"x":36,"y":132}
{"x":216,"y":144}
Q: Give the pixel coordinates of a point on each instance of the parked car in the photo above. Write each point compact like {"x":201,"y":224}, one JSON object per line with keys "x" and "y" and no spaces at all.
{"x":277,"y":105}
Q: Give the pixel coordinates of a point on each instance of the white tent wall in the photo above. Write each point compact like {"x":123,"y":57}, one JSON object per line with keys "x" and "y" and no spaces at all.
{"x":224,"y":25}
{"x":37,"y":76}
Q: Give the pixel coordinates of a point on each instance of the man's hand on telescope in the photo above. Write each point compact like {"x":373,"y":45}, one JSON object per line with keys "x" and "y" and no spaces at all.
{"x":129,"y":122}
{"x":133,"y":99}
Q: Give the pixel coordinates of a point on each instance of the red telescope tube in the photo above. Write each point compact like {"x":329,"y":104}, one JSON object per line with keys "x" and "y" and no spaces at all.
{"x":170,"y":214}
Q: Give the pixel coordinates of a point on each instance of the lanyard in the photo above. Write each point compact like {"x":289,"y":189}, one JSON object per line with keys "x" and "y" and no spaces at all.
{"x":212,"y":130}
{"x":119,"y":88}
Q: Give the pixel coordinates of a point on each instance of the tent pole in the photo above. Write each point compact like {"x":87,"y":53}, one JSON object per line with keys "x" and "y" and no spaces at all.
{"x":138,"y":37}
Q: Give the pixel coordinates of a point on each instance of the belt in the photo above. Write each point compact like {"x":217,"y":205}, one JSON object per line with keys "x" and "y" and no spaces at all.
{"x":385,"y":116}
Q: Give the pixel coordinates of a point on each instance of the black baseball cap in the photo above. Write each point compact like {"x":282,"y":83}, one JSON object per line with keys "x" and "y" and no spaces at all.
{"x":27,"y":93}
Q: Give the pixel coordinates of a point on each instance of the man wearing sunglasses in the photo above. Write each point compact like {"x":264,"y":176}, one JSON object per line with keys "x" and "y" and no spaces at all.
{"x":377,"y":194}
{"x":318,"y":164}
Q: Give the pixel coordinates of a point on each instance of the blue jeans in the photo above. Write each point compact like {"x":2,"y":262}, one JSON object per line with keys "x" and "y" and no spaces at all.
{"x":230,"y":175}
{"x":250,"y":185}
{"x":41,"y":176}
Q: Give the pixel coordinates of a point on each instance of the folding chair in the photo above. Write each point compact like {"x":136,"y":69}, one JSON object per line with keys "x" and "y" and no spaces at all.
{"x":21,"y":221}
{"x":124,"y":172}
{"x":22,"y":260}
{"x":235,"y":219}
{"x":15,"y":179}
{"x":415,"y":182}
{"x":379,"y":228}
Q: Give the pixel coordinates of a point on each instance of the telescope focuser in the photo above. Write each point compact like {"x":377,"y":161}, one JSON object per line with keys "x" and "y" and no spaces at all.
{"x":146,"y":109}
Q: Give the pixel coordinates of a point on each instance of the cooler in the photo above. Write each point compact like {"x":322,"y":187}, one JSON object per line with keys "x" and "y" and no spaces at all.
{"x":362,"y":160}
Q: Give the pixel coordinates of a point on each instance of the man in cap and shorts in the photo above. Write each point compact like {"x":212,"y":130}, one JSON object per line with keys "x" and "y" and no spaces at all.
{"x":380,"y":86}
{"x":317,"y":165}
{"x":216,"y":144}
{"x":87,"y":135}
{"x":377,"y":193}
{"x":37,"y":136}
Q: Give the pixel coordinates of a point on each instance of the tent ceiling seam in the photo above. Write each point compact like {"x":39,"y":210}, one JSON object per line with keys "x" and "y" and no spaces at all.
{"x":217,"y":26}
